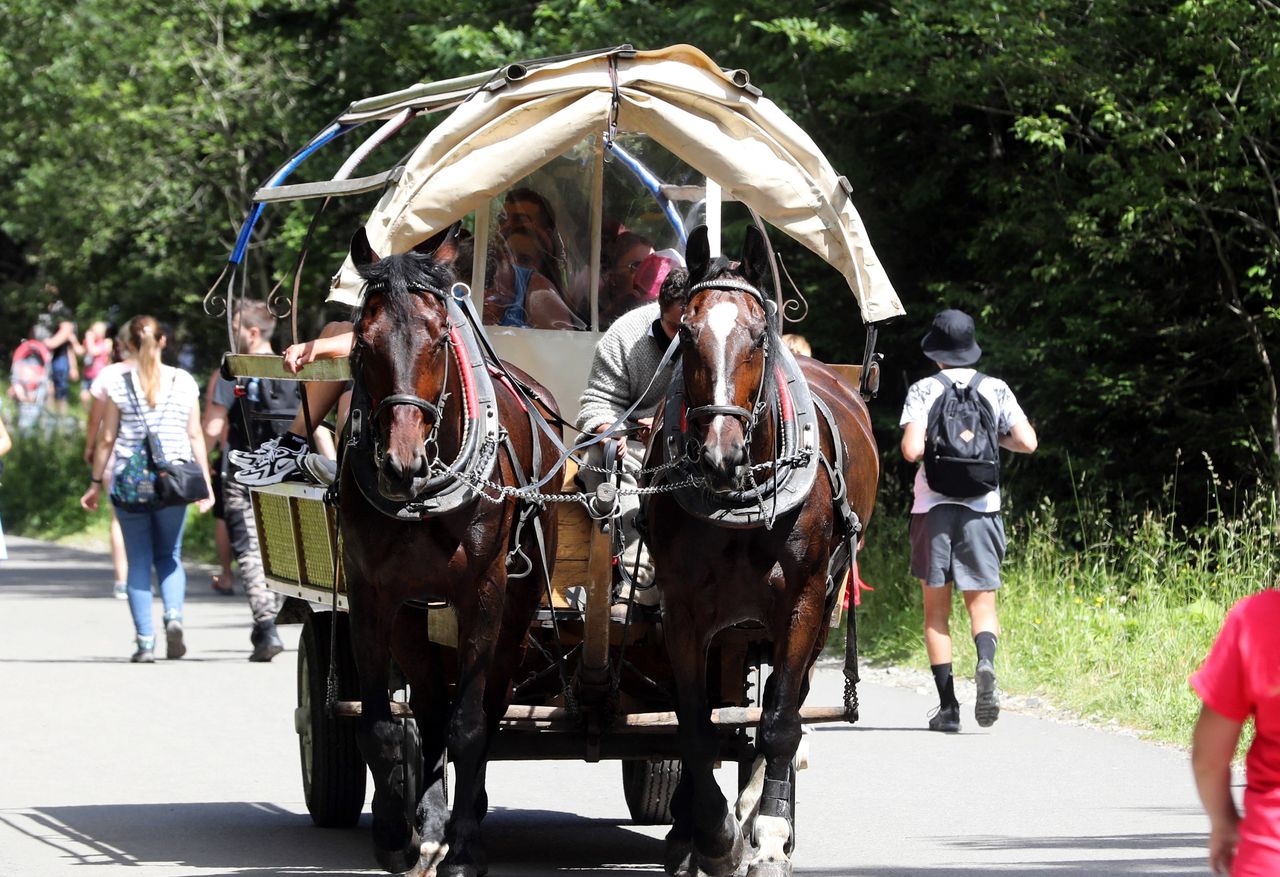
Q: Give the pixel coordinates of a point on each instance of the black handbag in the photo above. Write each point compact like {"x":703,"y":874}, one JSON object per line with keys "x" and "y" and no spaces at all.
{"x":176,"y":483}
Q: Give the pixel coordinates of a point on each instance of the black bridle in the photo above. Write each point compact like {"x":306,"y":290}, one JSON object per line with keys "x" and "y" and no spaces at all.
{"x":750,"y":418}
{"x":432,"y":412}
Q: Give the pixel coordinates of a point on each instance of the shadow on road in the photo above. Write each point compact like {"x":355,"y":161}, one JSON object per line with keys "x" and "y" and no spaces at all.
{"x":257,"y":840}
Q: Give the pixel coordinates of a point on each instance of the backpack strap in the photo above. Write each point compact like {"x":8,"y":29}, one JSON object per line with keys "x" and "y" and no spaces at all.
{"x":977,"y":379}
{"x":946,"y":382}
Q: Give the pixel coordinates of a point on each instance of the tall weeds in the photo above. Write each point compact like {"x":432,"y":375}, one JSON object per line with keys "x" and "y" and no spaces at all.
{"x":1107,"y":617}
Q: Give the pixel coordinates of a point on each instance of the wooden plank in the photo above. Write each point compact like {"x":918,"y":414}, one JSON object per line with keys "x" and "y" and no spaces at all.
{"x":270,"y":365}
{"x":551,"y":716}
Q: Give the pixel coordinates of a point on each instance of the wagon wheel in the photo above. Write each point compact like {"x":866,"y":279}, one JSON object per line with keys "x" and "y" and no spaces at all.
{"x":648,"y":785}
{"x":333,"y":771}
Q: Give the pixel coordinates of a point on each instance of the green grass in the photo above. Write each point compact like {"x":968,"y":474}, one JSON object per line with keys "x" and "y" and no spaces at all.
{"x":1109,"y":627}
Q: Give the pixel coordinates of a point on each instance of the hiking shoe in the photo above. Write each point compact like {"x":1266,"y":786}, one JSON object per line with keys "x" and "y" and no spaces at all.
{"x":277,"y":460}
{"x":946,"y":719}
{"x":120,"y":591}
{"x":266,"y":642}
{"x":986,"y":709}
{"x":174,"y":646}
{"x":320,"y":468}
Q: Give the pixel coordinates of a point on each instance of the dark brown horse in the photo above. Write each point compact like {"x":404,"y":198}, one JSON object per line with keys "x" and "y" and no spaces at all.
{"x":420,"y":402}
{"x":712,"y":576}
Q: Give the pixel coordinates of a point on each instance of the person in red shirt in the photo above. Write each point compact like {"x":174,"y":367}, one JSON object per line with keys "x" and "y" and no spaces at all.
{"x":1241,"y":678}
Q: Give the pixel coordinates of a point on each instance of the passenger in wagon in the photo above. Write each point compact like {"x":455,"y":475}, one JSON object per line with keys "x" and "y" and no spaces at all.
{"x":618,"y":293}
{"x":626,"y":370}
{"x":518,"y":294}
{"x":523,"y":209}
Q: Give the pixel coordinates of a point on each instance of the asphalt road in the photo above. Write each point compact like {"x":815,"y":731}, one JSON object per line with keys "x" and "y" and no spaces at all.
{"x":190,"y":768}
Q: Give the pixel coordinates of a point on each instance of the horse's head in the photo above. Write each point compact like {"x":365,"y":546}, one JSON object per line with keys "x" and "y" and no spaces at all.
{"x":725,"y":350}
{"x":401,"y":355}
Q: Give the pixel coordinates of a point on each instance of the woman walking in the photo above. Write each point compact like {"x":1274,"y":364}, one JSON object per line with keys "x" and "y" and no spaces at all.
{"x":166,"y":402}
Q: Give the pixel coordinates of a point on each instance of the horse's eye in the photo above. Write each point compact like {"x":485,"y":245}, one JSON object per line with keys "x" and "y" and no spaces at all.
{"x":761,"y":340}
{"x":686,"y":334}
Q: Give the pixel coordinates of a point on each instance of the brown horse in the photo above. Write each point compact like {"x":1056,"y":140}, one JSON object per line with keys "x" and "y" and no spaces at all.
{"x":414,"y":409}
{"x":712,"y":576}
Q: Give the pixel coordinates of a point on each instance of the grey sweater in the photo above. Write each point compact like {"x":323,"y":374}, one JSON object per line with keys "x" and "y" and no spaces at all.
{"x":625,"y":362}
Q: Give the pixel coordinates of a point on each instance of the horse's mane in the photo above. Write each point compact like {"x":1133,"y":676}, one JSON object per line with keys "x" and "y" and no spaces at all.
{"x":403,"y":275}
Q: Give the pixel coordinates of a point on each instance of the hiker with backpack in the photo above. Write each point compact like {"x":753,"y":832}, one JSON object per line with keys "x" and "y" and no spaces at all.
{"x":954,"y":424}
{"x":250,"y":412}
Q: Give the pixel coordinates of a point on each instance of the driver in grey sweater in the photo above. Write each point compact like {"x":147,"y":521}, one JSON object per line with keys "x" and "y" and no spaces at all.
{"x":625,"y":367}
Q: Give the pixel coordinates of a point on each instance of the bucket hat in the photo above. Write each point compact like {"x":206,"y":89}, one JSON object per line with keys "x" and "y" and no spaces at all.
{"x":950,"y":340}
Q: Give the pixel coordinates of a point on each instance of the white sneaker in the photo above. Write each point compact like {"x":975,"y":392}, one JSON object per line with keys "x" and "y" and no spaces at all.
{"x":257,"y":456}
{"x":120,"y":591}
{"x":272,"y":462}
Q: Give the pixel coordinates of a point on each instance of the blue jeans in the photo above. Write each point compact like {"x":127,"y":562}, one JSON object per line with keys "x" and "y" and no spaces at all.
{"x":154,"y":539}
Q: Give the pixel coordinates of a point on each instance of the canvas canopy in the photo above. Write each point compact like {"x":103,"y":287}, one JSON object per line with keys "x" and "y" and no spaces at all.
{"x":714,"y":120}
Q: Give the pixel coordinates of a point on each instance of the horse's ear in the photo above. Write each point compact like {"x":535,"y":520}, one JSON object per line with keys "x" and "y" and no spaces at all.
{"x":361,"y":250}
{"x":755,"y":256}
{"x":697,"y":253}
{"x":441,"y":246}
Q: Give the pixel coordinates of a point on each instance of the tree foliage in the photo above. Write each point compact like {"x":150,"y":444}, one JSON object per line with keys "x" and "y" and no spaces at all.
{"x":1096,"y":182}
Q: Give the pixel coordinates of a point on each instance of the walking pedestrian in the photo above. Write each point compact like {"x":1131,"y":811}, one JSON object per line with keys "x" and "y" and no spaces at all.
{"x":102,"y":380}
{"x":66,"y":349}
{"x":232,"y":410}
{"x":164,"y":401}
{"x":954,"y":423}
{"x":1241,"y":678}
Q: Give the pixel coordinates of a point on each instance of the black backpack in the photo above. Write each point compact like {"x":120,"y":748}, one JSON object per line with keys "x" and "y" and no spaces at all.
{"x":961,"y":448}
{"x":277,"y":399}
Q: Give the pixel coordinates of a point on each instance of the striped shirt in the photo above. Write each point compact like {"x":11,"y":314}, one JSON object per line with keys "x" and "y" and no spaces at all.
{"x":177,"y":396}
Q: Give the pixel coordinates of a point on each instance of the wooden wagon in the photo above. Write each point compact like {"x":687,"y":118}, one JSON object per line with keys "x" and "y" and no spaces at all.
{"x":656,"y":141}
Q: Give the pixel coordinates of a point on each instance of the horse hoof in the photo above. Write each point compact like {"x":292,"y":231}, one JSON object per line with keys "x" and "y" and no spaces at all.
{"x":678,"y":859}
{"x":459,"y":871}
{"x":770,"y":869}
{"x":397,"y":861}
{"x":726,"y":864}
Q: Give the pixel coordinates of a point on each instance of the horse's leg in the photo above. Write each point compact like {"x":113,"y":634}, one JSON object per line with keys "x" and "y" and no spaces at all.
{"x":429,"y":699}
{"x":380,"y":737}
{"x":780,"y":730}
{"x":700,"y":810}
{"x":480,"y":611}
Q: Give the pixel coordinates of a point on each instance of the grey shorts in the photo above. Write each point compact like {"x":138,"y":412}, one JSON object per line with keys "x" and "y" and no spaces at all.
{"x":954,"y":544}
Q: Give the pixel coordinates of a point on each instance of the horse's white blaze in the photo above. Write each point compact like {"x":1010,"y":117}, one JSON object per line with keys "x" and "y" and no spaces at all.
{"x":721,"y":320}
{"x":772,"y":833}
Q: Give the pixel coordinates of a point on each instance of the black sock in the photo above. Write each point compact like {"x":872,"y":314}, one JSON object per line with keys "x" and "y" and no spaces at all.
{"x":986,"y":643}
{"x":293,"y":440}
{"x":946,"y":684}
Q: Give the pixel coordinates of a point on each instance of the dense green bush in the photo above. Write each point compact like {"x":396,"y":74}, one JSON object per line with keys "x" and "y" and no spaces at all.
{"x":44,"y":478}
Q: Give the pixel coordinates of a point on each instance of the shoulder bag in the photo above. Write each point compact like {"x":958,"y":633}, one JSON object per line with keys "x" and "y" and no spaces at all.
{"x":151,"y":483}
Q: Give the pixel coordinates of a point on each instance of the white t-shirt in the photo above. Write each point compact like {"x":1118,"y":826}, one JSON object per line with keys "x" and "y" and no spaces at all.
{"x":108,"y":375}
{"x":920,"y":398}
{"x":177,"y":396}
